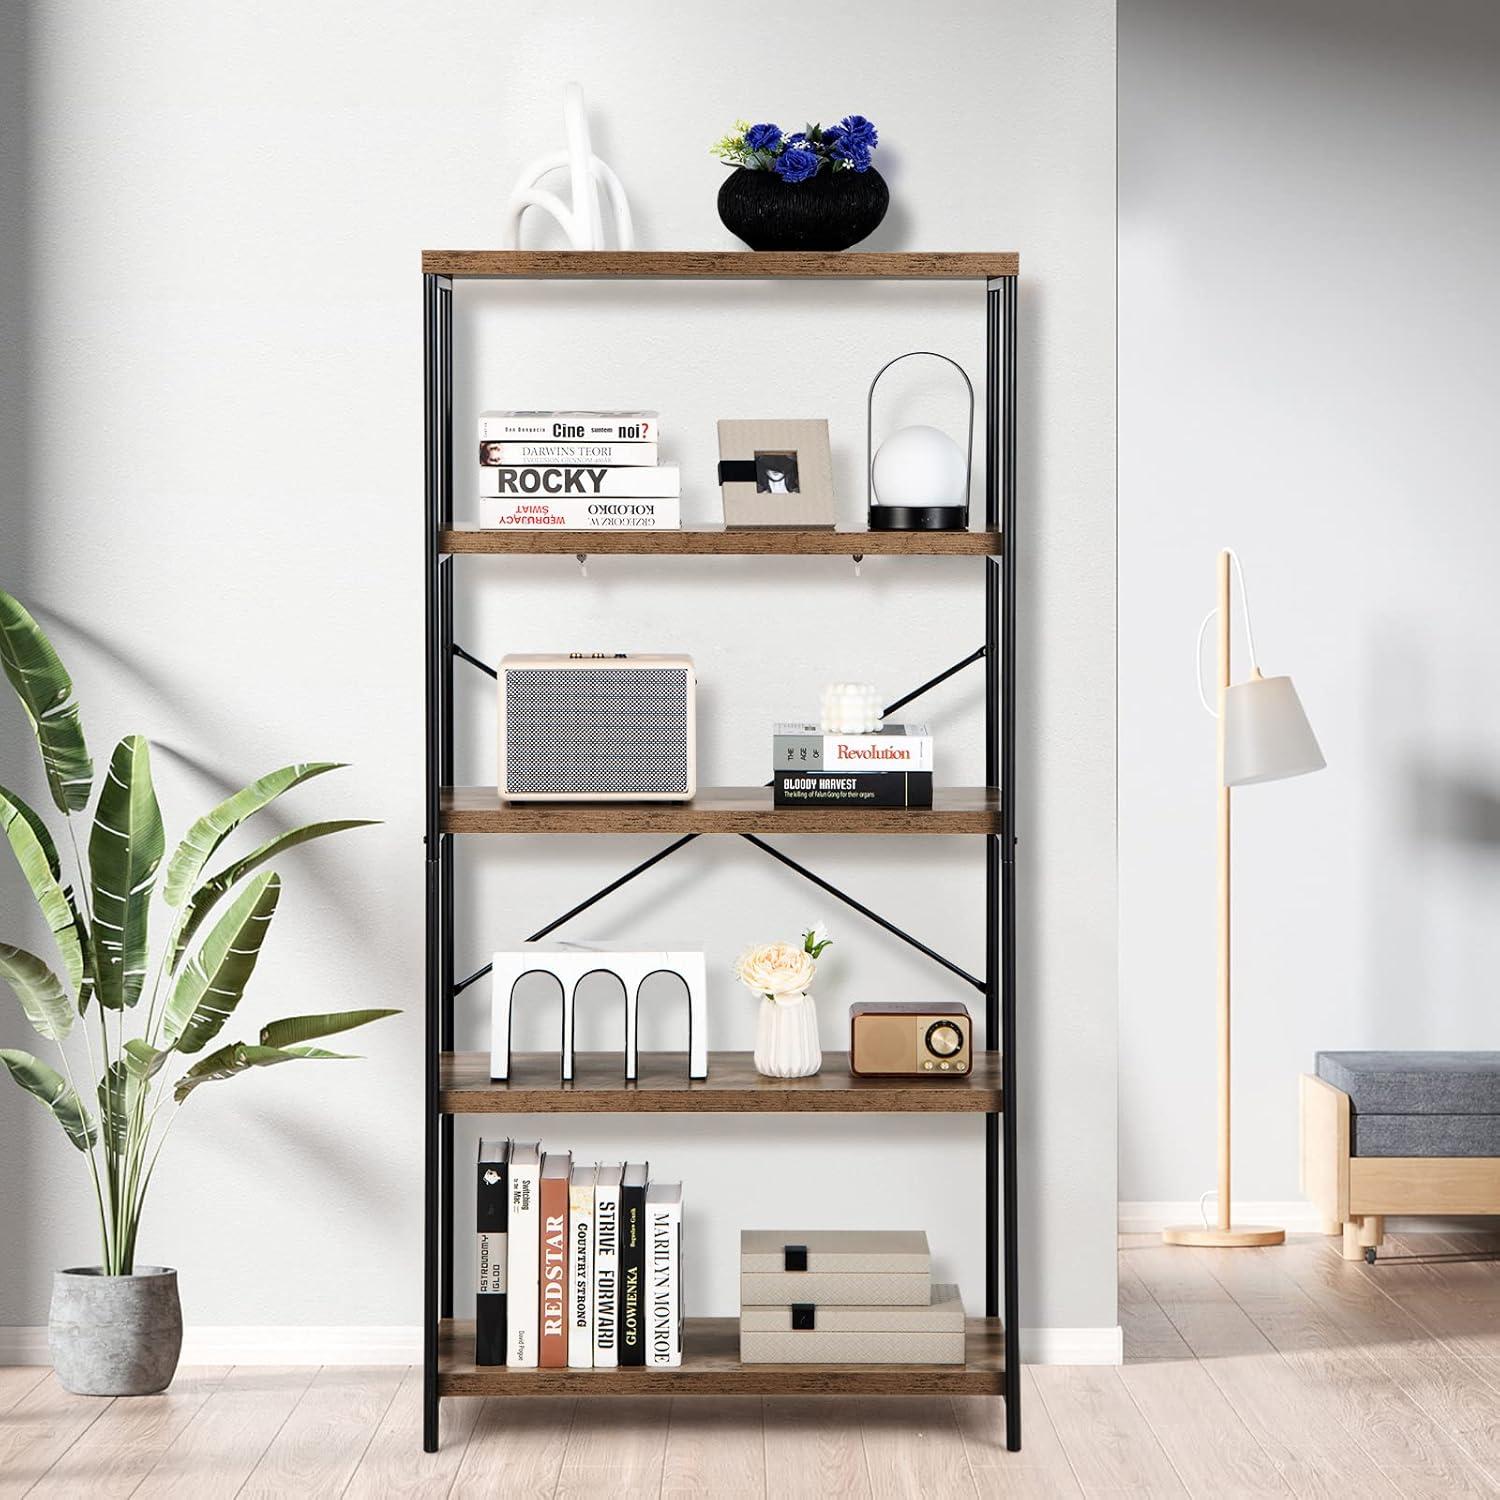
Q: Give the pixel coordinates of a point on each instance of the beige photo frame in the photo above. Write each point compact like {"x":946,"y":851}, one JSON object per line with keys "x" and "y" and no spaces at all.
{"x":776,"y":473}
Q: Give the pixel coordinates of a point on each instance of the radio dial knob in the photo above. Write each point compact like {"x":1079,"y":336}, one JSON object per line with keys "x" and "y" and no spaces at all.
{"x":944,"y":1038}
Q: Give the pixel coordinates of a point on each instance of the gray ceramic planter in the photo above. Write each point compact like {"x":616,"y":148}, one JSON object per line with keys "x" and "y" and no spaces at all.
{"x":115,"y":1335}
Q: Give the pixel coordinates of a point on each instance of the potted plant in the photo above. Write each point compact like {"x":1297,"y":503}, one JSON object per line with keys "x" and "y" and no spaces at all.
{"x":815,"y":189}
{"x":116,"y":1328}
{"x":786,"y":1034}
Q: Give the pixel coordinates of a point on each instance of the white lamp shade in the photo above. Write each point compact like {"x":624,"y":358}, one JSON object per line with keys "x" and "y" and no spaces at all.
{"x":920,"y":466}
{"x":1266,"y":734}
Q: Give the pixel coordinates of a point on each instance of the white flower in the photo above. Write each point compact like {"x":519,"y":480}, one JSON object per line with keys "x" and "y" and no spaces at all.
{"x":818,"y":935}
{"x":780,"y":971}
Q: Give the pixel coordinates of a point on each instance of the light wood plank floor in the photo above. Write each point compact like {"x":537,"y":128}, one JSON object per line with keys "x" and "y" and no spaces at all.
{"x":1249,"y":1372}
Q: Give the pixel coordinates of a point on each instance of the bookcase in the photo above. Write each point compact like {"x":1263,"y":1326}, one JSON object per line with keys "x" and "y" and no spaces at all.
{"x":459,"y":1082}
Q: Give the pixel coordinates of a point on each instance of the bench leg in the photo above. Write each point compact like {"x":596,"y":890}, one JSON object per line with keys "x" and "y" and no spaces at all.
{"x":1363,"y":1236}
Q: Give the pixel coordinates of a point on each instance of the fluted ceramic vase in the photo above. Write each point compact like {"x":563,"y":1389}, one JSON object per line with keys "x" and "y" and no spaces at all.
{"x":786,"y":1038}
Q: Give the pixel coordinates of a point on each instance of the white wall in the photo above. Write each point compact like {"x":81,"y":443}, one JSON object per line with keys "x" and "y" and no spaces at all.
{"x":214,"y":503}
{"x":1309,"y":318}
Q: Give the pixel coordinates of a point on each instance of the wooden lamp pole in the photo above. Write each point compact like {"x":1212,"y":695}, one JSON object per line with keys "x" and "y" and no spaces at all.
{"x":1223,"y":1234}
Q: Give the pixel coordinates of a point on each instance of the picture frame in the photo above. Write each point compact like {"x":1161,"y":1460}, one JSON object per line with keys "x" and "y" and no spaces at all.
{"x":776,"y":473}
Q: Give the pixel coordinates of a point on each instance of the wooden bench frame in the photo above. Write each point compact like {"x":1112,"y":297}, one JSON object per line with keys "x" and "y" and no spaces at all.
{"x":1353,"y":1194}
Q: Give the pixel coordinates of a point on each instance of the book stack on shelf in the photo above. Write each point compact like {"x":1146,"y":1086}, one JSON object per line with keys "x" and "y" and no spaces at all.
{"x":575,"y":471}
{"x":845,"y":1296}
{"x":578,"y":1266}
{"x":890,"y":767}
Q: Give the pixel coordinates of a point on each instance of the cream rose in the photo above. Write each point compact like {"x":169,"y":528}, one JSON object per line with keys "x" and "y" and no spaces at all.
{"x":778,"y":970}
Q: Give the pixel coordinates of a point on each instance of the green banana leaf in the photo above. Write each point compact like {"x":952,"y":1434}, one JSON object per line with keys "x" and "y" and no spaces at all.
{"x":207,"y":896}
{"x":46,"y":693}
{"x":125,"y":849}
{"x":143,"y":1059}
{"x":41,"y":993}
{"x":38,"y":862}
{"x":237,"y":1057}
{"x":213,"y":980}
{"x":200,"y":841}
{"x":52,"y":1089}
{"x":305,"y":1028}
{"x":119,"y":1092}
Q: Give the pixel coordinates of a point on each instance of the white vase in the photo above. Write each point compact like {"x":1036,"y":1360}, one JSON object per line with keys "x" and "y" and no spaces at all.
{"x":786,"y":1038}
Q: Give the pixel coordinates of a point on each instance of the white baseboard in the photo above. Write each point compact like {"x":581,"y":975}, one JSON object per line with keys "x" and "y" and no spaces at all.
{"x":360,"y":1345}
{"x":1296,"y":1217}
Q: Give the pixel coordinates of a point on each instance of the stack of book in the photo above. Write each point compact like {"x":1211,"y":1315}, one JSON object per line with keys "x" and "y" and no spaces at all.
{"x":891,"y":767}
{"x":845,"y":1297}
{"x":576,"y":471}
{"x":578,"y":1266}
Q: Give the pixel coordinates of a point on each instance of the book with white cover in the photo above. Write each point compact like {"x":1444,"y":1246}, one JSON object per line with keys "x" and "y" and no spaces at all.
{"x":893,"y":747}
{"x":510,"y":514}
{"x":664,"y":1274}
{"x":522,"y":1247}
{"x":607,"y":1265}
{"x":569,"y":426}
{"x":581,"y":1268}
{"x":529,"y":455}
{"x":579,"y":481}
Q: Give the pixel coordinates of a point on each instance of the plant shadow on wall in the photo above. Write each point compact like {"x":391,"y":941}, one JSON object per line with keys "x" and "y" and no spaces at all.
{"x":116,"y":1329}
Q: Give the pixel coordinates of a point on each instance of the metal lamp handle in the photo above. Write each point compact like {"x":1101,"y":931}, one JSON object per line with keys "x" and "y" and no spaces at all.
{"x":870,"y":422}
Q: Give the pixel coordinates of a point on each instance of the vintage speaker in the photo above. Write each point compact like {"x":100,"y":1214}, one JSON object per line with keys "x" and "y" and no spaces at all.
{"x":593,"y":727}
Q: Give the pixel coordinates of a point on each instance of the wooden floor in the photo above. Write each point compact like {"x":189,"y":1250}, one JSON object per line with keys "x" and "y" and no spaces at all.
{"x":1248,"y":1372}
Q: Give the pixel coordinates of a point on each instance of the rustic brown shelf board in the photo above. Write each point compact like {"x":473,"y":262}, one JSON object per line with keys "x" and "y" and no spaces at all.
{"x":722,"y":265}
{"x":732,"y":1085}
{"x":715,"y":540}
{"x":720,"y":809}
{"x":711,"y":1366}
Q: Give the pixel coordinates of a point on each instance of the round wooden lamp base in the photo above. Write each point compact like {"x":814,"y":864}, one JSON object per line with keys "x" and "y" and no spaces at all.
{"x":1235,"y":1237}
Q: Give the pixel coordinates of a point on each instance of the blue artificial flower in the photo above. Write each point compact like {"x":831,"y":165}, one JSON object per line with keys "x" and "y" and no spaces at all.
{"x":763,"y":137}
{"x":854,"y":128}
{"x":796,"y":138}
{"x":797,"y":164}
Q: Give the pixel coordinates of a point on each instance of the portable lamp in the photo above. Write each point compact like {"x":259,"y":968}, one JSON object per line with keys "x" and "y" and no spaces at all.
{"x":918,"y":478}
{"x":1263,"y":736}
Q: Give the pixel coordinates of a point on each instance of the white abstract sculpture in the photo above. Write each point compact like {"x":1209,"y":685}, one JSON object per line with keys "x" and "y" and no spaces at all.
{"x":570,"y":967}
{"x":580,"y":219}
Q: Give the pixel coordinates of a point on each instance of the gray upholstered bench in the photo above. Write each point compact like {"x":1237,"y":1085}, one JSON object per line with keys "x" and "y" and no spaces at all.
{"x":1399,"y":1133}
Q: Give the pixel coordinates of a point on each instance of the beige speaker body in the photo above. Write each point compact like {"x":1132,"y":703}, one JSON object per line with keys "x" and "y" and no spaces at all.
{"x":587,"y":663}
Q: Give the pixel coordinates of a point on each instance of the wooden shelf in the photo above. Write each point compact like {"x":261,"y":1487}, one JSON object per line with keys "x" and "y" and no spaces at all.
{"x":711,"y":1366}
{"x":721,"y":265}
{"x":720,"y":809}
{"x":732,"y":1085}
{"x":715,"y":540}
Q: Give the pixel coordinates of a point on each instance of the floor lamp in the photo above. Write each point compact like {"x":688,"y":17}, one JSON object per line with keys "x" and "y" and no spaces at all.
{"x":1263,"y":736}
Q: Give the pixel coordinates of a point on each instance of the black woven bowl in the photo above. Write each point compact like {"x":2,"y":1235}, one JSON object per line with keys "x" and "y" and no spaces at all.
{"x":828,"y":212}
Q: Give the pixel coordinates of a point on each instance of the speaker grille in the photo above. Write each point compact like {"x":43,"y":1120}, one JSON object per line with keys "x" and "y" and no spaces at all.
{"x":621,"y":732}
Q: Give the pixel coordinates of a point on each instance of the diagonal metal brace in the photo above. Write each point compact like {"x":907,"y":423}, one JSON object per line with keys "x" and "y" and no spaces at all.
{"x":932,"y":682}
{"x":864,"y":911}
{"x":474,"y":661}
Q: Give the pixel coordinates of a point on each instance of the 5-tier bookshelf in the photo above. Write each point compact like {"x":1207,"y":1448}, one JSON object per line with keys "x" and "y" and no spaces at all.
{"x":459,"y":1082}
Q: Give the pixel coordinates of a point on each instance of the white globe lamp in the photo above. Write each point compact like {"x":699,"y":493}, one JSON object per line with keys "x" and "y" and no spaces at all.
{"x":919,"y":477}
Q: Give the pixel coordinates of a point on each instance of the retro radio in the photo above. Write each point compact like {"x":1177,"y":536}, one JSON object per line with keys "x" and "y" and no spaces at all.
{"x":889,"y":1037}
{"x":589,"y":727}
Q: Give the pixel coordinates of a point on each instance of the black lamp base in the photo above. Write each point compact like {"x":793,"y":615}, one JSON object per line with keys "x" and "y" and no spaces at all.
{"x":919,"y":517}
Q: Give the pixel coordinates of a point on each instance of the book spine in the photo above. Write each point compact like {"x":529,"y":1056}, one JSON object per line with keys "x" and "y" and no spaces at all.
{"x":533,"y":455}
{"x":579,"y":482}
{"x":665,"y":1273}
{"x":606,"y":1276}
{"x":862,"y":789}
{"x":492,"y":1215}
{"x":552,"y":1347}
{"x":569,"y":427}
{"x":581,"y":1276}
{"x":522,"y":1244}
{"x":851,"y":753}
{"x":661,"y":514}
{"x":632,"y":1275}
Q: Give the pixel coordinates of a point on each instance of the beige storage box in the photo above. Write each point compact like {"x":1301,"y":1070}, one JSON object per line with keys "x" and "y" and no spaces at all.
{"x":849,"y":1267}
{"x":824,"y":1335}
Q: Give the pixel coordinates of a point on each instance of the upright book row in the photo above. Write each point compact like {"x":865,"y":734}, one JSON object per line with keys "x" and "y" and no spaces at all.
{"x":577,"y":1266}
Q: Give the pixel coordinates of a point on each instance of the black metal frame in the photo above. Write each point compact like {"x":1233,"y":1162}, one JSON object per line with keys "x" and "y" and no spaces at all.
{"x":999,"y":982}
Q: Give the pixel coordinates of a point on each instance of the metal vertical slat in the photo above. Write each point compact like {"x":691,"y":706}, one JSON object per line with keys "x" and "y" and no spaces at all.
{"x":446,"y":846}
{"x":1009,"y":808}
{"x":992,"y":463}
{"x":432,"y":978}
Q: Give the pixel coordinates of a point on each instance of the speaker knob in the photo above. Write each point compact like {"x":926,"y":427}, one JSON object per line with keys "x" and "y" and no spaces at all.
{"x":944,"y":1038}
